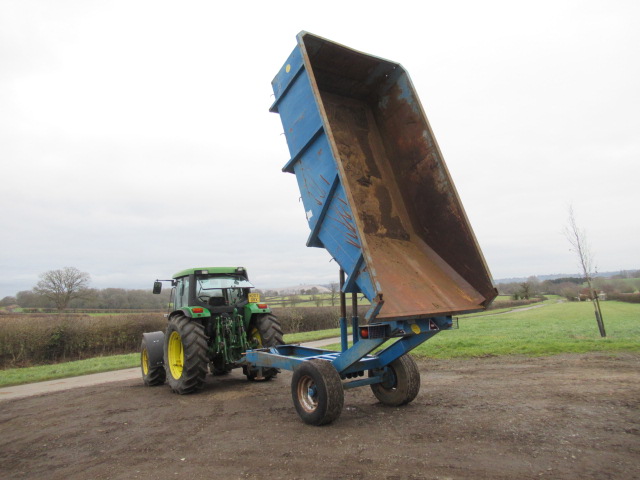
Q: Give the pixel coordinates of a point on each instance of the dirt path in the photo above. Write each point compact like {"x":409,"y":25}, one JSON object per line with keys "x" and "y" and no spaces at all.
{"x":562,"y":417}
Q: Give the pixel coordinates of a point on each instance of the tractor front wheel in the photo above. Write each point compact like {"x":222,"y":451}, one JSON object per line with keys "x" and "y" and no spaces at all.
{"x":185,"y":354}
{"x":264,"y":331}
{"x":401,"y":382}
{"x":317,"y":392}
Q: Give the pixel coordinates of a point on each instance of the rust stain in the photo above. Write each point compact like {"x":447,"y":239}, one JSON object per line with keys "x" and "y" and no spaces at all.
{"x":420,"y":248}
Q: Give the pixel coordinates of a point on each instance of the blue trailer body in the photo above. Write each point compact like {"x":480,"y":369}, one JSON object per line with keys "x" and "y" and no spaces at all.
{"x":378,"y":196}
{"x":375,"y":188}
{"x":328,"y":210}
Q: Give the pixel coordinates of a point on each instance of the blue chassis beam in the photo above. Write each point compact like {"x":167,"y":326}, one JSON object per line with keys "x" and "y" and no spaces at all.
{"x":356,"y":359}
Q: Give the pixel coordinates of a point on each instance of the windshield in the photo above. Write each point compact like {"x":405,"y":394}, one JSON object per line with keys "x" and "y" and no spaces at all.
{"x":220,"y":291}
{"x":210,"y":283}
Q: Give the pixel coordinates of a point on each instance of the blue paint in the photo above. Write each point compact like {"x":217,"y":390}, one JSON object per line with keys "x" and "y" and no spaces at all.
{"x":350,"y":124}
{"x":331,"y":215}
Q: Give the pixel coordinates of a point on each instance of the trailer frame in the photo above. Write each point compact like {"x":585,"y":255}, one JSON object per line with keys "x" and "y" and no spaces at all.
{"x":353,"y":361}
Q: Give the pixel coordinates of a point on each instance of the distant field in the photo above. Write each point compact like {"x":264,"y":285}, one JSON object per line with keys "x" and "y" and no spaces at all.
{"x":318,"y":300}
{"x":566,"y":327}
{"x":324,"y":300}
{"x":554,"y":328}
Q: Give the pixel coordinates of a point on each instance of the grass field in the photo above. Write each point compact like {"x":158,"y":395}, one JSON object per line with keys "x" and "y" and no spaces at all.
{"x":18,"y":376}
{"x":567,"y":327}
{"x":556,"y":327}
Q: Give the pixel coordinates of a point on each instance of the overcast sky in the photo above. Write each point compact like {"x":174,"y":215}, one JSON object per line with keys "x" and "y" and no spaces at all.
{"x":135,"y":137}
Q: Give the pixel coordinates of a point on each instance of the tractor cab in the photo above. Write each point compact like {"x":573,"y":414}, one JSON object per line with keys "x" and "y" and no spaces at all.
{"x":220,"y":290}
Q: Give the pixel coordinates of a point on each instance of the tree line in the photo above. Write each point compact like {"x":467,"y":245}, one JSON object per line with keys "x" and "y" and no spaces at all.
{"x":571,"y":287}
{"x":70,"y":288}
{"x":96,"y":299}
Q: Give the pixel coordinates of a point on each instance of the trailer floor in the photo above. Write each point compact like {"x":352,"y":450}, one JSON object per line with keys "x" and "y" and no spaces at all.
{"x":561,"y":417}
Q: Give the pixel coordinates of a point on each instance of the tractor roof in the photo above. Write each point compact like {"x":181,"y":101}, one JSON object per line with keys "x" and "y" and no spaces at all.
{"x":205,"y":270}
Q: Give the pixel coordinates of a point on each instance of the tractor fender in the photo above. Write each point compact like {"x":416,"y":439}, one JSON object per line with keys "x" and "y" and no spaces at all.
{"x":189,"y":313}
{"x":155,"y":348}
{"x":251,"y":309}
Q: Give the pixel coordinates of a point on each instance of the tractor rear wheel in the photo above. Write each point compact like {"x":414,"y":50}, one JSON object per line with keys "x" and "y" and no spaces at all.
{"x":264,"y":331}
{"x":151,"y":359}
{"x":401,"y":384}
{"x":317,"y":392}
{"x":185,"y":354}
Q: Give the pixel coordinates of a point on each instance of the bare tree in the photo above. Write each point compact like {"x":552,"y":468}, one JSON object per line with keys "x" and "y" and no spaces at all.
{"x":7,"y":301}
{"x":525,"y":290}
{"x":579,"y":244}
{"x":333,"y":288}
{"x":294,"y":299}
{"x":317,"y":299}
{"x":62,"y":286}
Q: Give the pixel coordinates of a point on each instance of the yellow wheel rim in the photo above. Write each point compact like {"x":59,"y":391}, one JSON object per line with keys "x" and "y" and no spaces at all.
{"x":145,"y":362}
{"x":254,"y":335}
{"x":175,"y":354}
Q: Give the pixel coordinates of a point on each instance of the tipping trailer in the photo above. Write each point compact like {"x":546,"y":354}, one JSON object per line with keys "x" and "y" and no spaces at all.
{"x":379,"y":197}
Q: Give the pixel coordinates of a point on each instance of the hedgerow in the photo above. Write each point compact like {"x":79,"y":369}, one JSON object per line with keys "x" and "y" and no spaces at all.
{"x":624,"y":297}
{"x":35,"y":339}
{"x":38,"y":338}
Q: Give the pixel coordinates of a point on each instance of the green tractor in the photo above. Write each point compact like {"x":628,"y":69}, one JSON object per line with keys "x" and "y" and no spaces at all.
{"x":213,"y":320}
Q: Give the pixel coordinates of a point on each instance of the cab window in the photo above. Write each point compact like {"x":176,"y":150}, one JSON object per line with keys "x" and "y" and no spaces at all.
{"x":182,"y":293}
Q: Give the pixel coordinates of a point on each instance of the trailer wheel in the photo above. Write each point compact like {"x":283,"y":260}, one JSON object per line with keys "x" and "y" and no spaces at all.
{"x":317,"y":392}
{"x":185,"y":354}
{"x":264,"y":331}
{"x":151,"y":362}
{"x":401,"y":384}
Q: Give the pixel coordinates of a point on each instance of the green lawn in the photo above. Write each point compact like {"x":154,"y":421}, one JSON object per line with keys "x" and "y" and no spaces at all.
{"x":568,"y":327}
{"x":557,"y":327}
{"x":17,"y":376}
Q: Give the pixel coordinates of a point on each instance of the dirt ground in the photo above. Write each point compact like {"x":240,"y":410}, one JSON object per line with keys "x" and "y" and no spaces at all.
{"x":561,"y":417}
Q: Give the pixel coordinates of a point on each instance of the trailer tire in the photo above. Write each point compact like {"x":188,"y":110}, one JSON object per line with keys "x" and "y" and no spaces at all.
{"x":151,"y":359}
{"x":402,"y":383}
{"x":317,"y":392}
{"x":185,"y":354}
{"x":265,"y":331}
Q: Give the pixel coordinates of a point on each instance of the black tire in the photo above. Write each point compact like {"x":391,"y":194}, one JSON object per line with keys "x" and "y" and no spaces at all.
{"x":185,"y":354}
{"x":152,"y":367}
{"x":402,"y":382}
{"x":218,"y":371}
{"x":265,"y":331}
{"x":317,"y":392}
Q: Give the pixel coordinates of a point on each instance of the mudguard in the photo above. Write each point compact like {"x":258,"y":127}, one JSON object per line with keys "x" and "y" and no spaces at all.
{"x":155,"y":348}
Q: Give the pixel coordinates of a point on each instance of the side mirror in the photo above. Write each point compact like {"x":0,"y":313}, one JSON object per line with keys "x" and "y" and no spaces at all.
{"x":157,"y":287}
